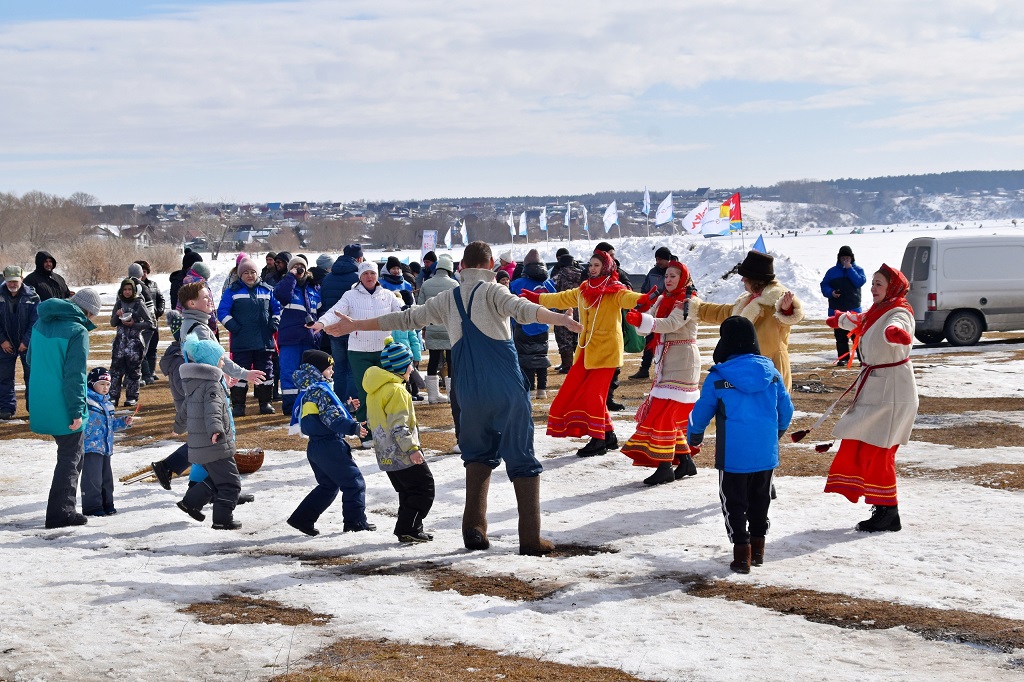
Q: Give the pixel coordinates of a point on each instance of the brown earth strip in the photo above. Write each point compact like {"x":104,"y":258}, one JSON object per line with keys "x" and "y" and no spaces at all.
{"x":999,"y":476}
{"x":981,"y":435}
{"x":443,"y":578}
{"x":362,"y":660}
{"x":233,"y":609}
{"x":857,"y":613}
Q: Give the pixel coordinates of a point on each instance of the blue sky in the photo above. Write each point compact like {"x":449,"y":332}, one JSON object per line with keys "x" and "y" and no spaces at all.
{"x":387,"y":99}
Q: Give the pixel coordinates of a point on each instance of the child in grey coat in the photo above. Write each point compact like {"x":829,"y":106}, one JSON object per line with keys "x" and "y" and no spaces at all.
{"x":211,"y":433}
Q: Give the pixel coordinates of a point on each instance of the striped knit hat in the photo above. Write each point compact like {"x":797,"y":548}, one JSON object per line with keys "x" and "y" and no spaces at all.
{"x":396,"y":357}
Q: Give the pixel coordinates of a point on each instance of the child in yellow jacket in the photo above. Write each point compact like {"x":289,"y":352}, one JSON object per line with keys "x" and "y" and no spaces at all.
{"x":391,"y":421}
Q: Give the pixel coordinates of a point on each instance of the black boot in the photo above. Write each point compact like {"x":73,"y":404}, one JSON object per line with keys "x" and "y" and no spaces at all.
{"x":238,"y":400}
{"x":264,"y":396}
{"x":686,"y":467}
{"x":663,"y":474}
{"x":595,"y":447}
{"x":611,"y":441}
{"x":566,"y":361}
{"x":882,"y":519}
{"x":162,"y":473}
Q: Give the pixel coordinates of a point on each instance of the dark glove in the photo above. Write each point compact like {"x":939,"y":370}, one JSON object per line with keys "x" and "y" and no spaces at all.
{"x":634,"y":317}
{"x":531,"y":296}
{"x":693,"y":439}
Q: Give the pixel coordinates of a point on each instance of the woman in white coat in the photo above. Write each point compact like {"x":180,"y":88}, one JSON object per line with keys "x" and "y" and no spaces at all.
{"x":884,"y":404}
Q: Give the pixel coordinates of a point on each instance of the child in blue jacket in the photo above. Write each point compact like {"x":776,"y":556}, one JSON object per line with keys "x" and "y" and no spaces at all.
{"x":320,"y":415}
{"x":748,"y":400}
{"x":97,"y":479}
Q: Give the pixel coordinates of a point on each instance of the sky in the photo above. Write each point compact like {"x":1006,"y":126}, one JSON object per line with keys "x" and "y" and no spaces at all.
{"x":182,"y":100}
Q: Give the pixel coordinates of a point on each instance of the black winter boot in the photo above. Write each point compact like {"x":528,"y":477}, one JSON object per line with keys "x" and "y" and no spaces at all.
{"x":264,"y":396}
{"x":566,"y":361}
{"x":663,"y":474}
{"x":238,"y":394}
{"x":611,"y":441}
{"x":686,"y":467}
{"x":593,"y":448}
{"x":882,"y":519}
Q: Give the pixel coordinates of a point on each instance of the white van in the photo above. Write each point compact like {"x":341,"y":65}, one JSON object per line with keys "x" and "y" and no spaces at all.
{"x":961,"y":286}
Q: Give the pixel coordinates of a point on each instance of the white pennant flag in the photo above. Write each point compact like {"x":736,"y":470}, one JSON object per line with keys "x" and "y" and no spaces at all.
{"x":665,"y":212}
{"x":544,"y":219}
{"x":693,"y":219}
{"x":611,"y":216}
{"x":586,"y":220}
{"x":568,"y":213}
{"x":465,"y":234}
{"x":522,"y":224}
{"x":647,"y":202}
{"x":511,"y":224}
{"x":448,"y":239}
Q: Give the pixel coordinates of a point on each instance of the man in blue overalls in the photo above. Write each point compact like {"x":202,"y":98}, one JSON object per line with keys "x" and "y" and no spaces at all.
{"x":496,"y":423}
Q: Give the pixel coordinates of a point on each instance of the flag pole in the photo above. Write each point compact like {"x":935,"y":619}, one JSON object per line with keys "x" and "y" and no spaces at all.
{"x":647,"y":221}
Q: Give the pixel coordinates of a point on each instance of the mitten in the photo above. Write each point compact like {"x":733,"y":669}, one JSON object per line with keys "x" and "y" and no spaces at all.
{"x":897,"y":335}
{"x":531,"y":296}
{"x":634,"y":317}
{"x":645,"y":303}
{"x":833,"y":321}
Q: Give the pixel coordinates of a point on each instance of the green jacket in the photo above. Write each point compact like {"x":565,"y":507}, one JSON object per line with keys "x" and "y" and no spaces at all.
{"x":58,"y":355}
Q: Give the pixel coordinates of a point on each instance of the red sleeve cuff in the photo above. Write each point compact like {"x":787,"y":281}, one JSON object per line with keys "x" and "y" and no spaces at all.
{"x":894,"y":334}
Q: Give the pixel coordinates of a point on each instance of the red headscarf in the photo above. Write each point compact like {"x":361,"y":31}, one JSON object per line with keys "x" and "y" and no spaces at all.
{"x":606,"y":283}
{"x":668,"y":301}
{"x":895,"y":297}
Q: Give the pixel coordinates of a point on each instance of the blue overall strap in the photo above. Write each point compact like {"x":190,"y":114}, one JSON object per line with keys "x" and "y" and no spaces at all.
{"x":458,"y":301}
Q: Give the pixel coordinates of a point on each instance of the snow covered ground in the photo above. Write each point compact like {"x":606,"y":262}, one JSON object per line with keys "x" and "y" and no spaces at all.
{"x":100,"y":602}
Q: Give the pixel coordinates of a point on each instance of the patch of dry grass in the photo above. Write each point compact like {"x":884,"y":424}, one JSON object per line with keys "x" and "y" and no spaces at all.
{"x":362,"y":660}
{"x":233,"y":609}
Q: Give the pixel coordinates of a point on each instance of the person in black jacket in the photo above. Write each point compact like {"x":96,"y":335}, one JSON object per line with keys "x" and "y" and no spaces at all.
{"x":18,"y":304}
{"x":46,"y":282}
{"x":189,"y":259}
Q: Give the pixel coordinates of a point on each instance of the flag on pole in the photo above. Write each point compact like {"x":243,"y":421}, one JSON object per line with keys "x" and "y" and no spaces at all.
{"x":735,"y":215}
{"x":465,"y":234}
{"x":647,"y":202}
{"x":511,"y":224}
{"x":611,"y":216}
{"x":568,"y":213}
{"x":586,"y":220}
{"x":759,"y":245}
{"x":448,"y":239}
{"x":522,"y":225}
{"x":727,"y":219}
{"x":544,"y":219}
{"x":693,"y":219}
{"x":665,"y":212}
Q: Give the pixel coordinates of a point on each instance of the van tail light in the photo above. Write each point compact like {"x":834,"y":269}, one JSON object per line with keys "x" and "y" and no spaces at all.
{"x":933,"y":303}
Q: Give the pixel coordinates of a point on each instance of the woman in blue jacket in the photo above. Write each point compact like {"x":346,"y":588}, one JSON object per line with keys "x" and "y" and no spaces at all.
{"x":747,"y":397}
{"x":841,"y":285}
{"x":249,"y":311}
{"x":299,"y":297}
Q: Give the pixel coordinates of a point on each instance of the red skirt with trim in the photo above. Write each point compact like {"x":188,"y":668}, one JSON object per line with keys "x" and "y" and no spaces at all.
{"x":863,"y":470}
{"x":661,"y":436}
{"x":579,"y":408}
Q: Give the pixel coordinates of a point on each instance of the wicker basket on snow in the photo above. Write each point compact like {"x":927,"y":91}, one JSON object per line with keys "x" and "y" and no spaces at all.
{"x":249,"y":461}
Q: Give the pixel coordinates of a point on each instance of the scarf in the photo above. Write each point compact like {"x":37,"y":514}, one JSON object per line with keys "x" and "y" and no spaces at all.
{"x":668,"y":301}
{"x":594,"y":289}
{"x":895,"y":297}
{"x":294,"y":428}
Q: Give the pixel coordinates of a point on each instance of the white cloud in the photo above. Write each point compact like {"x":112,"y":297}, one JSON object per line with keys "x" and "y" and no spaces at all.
{"x":364,"y":81}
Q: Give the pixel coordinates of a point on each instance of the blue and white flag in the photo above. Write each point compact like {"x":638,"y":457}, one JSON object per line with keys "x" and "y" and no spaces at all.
{"x":511,"y":224}
{"x":465,"y":234}
{"x":544,"y":219}
{"x":448,"y":239}
{"x":695,"y":218}
{"x":647,"y":202}
{"x":586,"y":220}
{"x":568,"y":213}
{"x":522,"y":224}
{"x":611,"y":216}
{"x":665,"y":212}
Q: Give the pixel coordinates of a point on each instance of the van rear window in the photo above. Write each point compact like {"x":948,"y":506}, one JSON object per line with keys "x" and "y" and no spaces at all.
{"x":982,"y":263}
{"x":907,"y":267}
{"x":921,"y":263}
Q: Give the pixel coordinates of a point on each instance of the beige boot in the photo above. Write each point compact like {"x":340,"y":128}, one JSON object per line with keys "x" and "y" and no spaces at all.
{"x":474,"y":518}
{"x":433,"y":394}
{"x":528,"y":499}
{"x":448,"y":387}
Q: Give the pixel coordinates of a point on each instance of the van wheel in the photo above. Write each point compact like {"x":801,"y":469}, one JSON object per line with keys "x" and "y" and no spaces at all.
{"x":929,"y":338}
{"x":963,"y":328}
